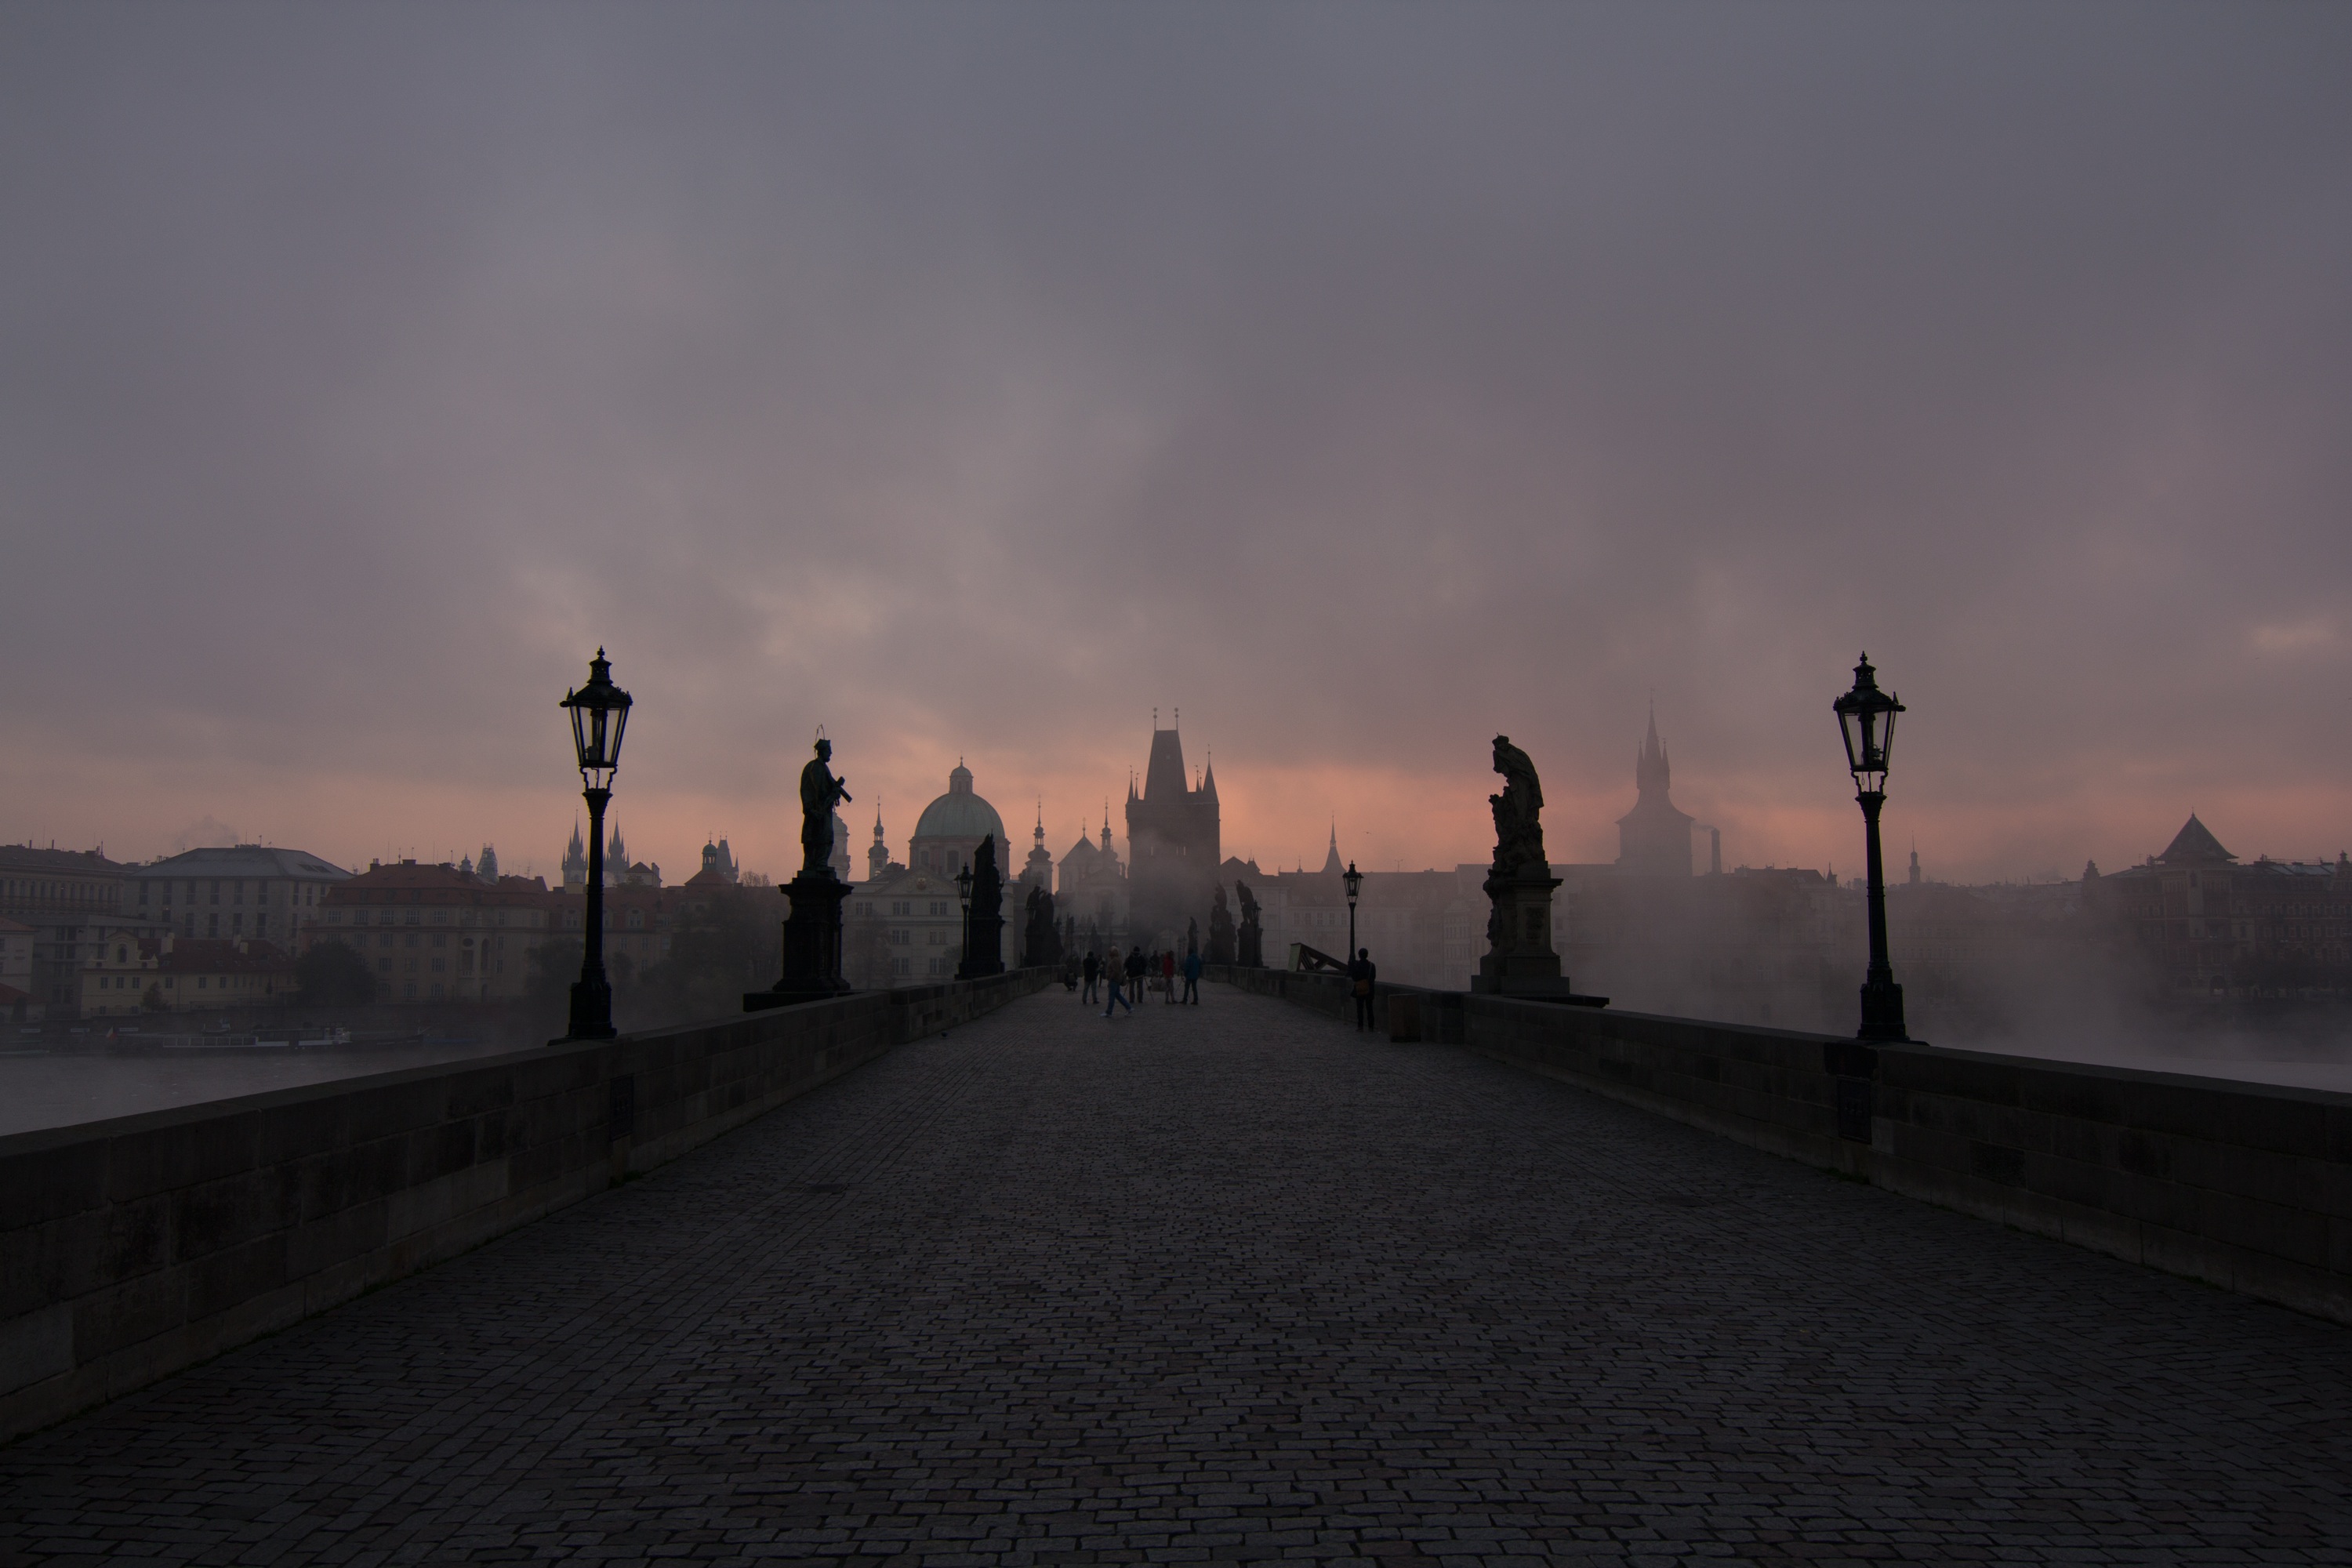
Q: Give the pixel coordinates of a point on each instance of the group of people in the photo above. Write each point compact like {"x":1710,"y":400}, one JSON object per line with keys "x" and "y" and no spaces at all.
{"x":1125,"y":976}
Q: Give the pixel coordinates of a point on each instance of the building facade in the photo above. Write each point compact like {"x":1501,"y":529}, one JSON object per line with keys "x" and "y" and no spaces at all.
{"x":433,"y":933}
{"x":73,"y":899}
{"x":171,"y":973}
{"x":221,"y":895}
{"x":2201,"y":926}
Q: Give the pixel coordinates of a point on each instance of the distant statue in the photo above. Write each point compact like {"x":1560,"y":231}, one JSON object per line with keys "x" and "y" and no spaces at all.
{"x":1191,"y":936}
{"x":1041,"y":937}
{"x":985,"y":952}
{"x":1518,"y":819}
{"x":1253,"y":939}
{"x":820,"y":792}
{"x":1220,"y":929}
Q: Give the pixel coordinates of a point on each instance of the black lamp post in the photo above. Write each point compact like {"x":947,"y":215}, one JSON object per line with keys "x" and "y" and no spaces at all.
{"x":600,"y":711}
{"x":963,"y":896}
{"x":1866,"y":720}
{"x":1355,"y":882}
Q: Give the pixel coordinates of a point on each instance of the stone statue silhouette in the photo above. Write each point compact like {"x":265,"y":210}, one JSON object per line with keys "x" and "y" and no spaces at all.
{"x":1252,"y":938}
{"x":984,"y":920}
{"x":820,"y":792}
{"x":1220,"y":929}
{"x":1518,"y":814}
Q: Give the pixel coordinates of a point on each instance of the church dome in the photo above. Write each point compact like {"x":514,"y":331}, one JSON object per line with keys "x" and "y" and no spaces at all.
{"x":960,"y":813}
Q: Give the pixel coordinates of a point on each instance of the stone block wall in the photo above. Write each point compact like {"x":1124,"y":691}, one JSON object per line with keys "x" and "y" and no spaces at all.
{"x":2247,"y":1186}
{"x":135,"y":1246}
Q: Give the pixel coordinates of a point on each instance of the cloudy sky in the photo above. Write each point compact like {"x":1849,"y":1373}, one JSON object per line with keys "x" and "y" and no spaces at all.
{"x":1360,"y":380}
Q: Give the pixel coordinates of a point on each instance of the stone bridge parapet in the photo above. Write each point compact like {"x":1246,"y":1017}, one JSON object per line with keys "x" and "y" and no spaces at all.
{"x":132,"y":1247}
{"x":2243,"y":1185}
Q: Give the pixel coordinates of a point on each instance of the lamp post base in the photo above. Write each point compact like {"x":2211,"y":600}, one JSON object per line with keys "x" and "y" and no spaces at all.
{"x":591,"y":1012}
{"x":1882,"y":1013}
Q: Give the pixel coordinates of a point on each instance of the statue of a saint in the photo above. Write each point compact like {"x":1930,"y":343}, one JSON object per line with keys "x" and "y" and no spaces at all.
{"x":1220,"y":929}
{"x":820,"y":792}
{"x":1518,"y":821}
{"x":1251,"y":939}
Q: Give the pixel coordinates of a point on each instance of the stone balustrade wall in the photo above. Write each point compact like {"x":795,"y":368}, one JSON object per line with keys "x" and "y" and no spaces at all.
{"x":2247,"y":1186}
{"x":135,"y":1246}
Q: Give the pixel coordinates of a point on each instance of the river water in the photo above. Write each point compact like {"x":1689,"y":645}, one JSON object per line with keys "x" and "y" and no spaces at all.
{"x":44,"y":1088}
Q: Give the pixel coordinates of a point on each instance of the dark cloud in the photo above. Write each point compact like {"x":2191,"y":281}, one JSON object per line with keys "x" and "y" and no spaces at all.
{"x":1362,"y":380}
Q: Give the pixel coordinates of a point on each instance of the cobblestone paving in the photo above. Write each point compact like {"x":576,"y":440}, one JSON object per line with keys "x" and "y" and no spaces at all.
{"x":1231,"y":1284}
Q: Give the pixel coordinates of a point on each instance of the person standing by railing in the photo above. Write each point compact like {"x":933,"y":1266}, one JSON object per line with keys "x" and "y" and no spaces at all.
{"x":1193,"y":978}
{"x":1092,"y":969}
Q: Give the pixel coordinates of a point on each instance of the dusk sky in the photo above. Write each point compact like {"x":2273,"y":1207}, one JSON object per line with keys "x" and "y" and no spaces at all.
{"x":1363,"y":380}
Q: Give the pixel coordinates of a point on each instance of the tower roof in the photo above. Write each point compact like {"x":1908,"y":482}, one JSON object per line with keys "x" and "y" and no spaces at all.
{"x":1163,"y":778}
{"x":1331,"y":867}
{"x":2195,"y":845}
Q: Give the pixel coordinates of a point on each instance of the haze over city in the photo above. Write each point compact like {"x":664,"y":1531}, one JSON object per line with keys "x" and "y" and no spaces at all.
{"x":1361,"y":381}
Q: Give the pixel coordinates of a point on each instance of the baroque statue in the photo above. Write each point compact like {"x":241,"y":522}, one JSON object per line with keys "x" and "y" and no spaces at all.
{"x":820,"y":792}
{"x":1252,"y":938}
{"x":1519,"y":820}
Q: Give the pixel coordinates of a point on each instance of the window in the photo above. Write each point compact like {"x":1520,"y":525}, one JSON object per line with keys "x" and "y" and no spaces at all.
{"x":412,"y":917}
{"x":261,"y":925}
{"x":440,"y":938}
{"x":440,"y":966}
{"x":412,"y":939}
{"x":212,"y":925}
{"x":384,"y":939}
{"x":383,"y":965}
{"x":216,"y":892}
{"x":237,"y":925}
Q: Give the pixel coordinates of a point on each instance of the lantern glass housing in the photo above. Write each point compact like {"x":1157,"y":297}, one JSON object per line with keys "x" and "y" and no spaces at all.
{"x":1866,"y":723}
{"x":1355,"y":881}
{"x":963,"y":886}
{"x":600,"y":712}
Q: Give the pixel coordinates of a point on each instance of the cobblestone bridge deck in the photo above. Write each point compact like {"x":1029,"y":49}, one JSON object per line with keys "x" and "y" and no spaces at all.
{"x":1231,"y":1284}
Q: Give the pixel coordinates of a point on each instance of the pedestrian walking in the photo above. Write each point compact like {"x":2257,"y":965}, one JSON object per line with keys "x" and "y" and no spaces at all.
{"x":1193,"y":978}
{"x":1361,"y":972}
{"x":1092,"y":970}
{"x":1168,"y":976}
{"x":1110,"y":983}
{"x":1135,"y":971}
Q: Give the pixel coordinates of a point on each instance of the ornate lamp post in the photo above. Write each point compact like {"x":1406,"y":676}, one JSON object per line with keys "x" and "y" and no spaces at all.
{"x":1866,"y":718}
{"x":1355,"y":884}
{"x":963,"y":896}
{"x":600,"y":711}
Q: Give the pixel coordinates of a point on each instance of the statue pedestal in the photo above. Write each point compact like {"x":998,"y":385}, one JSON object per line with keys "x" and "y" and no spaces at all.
{"x":1520,"y":960}
{"x":812,"y":944}
{"x":986,"y":955}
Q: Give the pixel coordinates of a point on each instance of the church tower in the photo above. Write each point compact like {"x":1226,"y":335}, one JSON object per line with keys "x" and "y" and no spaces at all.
{"x":576,"y":862}
{"x":877,"y":854}
{"x":1173,"y":842}
{"x":1653,"y":839}
{"x":1038,"y":872}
